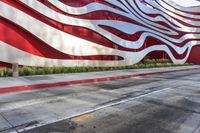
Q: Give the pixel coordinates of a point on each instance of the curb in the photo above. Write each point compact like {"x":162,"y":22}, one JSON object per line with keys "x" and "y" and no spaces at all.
{"x":76,"y":82}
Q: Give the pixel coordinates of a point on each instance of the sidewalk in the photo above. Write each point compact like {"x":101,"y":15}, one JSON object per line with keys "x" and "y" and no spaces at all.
{"x":49,"y":81}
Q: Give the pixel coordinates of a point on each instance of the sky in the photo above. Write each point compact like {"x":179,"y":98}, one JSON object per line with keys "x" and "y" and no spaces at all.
{"x":187,"y":3}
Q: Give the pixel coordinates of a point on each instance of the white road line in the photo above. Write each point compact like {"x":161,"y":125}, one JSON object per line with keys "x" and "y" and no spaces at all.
{"x":88,"y":111}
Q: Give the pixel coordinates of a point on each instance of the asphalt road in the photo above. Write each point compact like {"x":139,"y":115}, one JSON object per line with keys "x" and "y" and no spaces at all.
{"x":165,"y":103}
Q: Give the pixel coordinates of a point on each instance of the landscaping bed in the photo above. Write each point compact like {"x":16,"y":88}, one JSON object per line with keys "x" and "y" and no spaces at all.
{"x":27,"y":71}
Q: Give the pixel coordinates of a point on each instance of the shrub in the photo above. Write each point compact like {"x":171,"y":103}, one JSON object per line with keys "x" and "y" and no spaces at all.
{"x":5,"y":72}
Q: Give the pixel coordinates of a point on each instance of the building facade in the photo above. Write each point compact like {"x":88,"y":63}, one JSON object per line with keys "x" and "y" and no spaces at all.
{"x":97,"y":32}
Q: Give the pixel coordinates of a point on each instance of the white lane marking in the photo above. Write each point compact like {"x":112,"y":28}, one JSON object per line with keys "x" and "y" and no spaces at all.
{"x":88,"y":111}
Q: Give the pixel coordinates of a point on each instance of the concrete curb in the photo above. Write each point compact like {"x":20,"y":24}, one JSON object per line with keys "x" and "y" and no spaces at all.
{"x":76,"y":82}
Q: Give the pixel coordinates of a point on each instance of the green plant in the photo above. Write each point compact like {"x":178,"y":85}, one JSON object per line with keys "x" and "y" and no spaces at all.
{"x":5,"y":72}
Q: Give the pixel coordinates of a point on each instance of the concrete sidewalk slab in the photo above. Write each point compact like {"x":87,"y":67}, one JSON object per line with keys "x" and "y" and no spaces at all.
{"x":49,"y":81}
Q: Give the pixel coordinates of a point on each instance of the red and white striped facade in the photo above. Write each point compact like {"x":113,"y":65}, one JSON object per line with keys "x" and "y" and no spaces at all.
{"x":97,"y":32}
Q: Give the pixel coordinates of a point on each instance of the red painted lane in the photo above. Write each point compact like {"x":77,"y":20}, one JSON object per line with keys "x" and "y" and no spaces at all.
{"x":75,"y":82}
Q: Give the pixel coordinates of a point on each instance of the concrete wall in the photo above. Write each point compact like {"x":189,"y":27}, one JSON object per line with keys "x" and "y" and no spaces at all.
{"x":96,"y":32}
